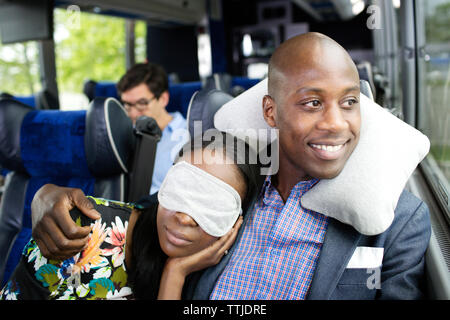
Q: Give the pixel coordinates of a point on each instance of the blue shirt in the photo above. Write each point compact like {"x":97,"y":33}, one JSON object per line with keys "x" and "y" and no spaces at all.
{"x":279,"y":249}
{"x":174,"y":136}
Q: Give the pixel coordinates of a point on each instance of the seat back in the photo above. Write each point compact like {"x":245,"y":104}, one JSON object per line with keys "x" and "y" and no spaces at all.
{"x":240,"y":84}
{"x":219,"y":81}
{"x":43,"y":100}
{"x":180,"y":96}
{"x":82,"y":149}
{"x":202,"y":108}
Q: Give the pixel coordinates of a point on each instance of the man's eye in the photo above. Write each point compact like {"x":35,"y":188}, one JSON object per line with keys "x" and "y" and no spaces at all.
{"x":350,"y":102}
{"x":312,"y":103}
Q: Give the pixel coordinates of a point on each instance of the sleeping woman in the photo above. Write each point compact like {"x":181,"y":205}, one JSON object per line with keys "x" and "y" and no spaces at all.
{"x":146,"y":253}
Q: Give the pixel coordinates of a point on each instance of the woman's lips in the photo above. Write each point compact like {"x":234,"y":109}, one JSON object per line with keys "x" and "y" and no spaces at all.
{"x":176,"y":238}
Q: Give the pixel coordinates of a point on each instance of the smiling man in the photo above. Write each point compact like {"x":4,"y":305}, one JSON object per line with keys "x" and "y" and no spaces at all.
{"x":314,"y":101}
{"x":285,"y":251}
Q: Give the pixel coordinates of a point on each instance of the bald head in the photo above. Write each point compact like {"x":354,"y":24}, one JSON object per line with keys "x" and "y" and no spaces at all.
{"x":306,"y":52}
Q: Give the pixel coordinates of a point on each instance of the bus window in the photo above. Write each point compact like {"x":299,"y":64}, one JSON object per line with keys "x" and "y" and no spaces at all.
{"x":140,"y":50}
{"x":434,"y":108}
{"x":90,"y":47}
{"x":19,"y":69}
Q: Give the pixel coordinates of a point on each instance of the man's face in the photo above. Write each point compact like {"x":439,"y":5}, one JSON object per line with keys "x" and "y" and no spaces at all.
{"x":316,"y":110}
{"x":140,"y":101}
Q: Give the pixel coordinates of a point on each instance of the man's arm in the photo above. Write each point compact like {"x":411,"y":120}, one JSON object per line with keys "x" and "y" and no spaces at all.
{"x":403,"y":264}
{"x":54,"y":231}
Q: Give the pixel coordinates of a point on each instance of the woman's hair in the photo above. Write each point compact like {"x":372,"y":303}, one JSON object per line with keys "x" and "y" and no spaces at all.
{"x":148,"y":259}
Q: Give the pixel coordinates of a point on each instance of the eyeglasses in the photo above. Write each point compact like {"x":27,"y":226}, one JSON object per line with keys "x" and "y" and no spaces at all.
{"x":140,"y":105}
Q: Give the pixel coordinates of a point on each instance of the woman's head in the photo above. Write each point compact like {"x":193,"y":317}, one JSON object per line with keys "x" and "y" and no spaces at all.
{"x":204,"y":192}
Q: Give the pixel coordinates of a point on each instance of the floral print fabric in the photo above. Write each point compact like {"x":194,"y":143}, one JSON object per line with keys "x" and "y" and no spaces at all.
{"x":98,"y":272}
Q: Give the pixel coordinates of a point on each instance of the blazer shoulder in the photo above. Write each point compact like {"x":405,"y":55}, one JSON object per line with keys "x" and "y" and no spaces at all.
{"x":411,"y":216}
{"x":409,"y":206}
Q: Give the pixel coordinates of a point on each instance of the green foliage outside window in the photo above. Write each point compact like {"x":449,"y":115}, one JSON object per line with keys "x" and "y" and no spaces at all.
{"x":89,"y":47}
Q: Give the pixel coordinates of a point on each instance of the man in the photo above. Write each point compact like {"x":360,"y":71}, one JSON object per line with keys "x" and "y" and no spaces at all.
{"x":144,"y":92}
{"x":284,"y":251}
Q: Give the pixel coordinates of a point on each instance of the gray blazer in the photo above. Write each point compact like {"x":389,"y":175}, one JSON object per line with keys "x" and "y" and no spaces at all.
{"x":401,"y":275}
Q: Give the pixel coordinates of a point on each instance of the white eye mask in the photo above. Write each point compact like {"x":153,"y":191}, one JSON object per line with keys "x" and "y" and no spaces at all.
{"x":211,"y":202}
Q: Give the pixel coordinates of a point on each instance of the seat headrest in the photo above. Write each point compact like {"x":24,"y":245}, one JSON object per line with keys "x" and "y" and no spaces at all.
{"x":219,"y":81}
{"x":365,"y":89}
{"x":106,"y":89}
{"x":12,"y":113}
{"x":52,"y":143}
{"x":109,"y":138}
{"x":203,"y":106}
{"x":365,"y":73}
{"x":89,"y":89}
{"x":180,"y":96}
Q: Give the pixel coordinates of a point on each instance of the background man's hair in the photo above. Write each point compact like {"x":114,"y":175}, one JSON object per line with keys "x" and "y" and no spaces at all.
{"x":153,"y":75}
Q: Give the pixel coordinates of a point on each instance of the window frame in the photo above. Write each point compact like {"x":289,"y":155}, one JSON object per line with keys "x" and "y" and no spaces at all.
{"x":436,"y":180}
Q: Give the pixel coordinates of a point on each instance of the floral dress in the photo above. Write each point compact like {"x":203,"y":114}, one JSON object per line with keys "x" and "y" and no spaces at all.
{"x":98,"y":272}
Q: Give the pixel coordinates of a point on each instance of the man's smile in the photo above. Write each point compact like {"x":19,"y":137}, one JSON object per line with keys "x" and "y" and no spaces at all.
{"x":328,"y":150}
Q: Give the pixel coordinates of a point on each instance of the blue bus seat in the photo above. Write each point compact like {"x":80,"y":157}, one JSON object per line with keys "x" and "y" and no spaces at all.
{"x":244,"y":82}
{"x":229,"y":84}
{"x":101,"y":89}
{"x":180,"y":93}
{"x":180,"y":96}
{"x":43,"y":100}
{"x":28,"y":100}
{"x":86,"y":149}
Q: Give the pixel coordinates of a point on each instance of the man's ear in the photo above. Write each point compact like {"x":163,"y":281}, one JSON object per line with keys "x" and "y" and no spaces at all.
{"x":164,"y":98}
{"x":269,"y":109}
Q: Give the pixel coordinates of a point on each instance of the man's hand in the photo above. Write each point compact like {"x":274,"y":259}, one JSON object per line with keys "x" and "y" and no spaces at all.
{"x":56,"y":234}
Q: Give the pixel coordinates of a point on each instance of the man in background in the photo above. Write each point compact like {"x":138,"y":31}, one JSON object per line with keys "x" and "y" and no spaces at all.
{"x":144,"y":91}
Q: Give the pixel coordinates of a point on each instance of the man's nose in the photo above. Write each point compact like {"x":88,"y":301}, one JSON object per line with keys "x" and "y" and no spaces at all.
{"x":132,"y":114}
{"x":185,"y":219}
{"x":332,"y":119}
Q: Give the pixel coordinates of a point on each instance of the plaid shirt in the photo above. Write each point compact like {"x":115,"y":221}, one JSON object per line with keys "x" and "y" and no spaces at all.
{"x":278,"y":252}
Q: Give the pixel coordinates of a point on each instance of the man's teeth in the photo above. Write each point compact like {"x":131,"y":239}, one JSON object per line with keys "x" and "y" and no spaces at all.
{"x":327,"y":148}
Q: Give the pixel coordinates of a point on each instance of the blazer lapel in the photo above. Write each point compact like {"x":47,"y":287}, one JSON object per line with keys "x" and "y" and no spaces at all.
{"x":339,"y":244}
